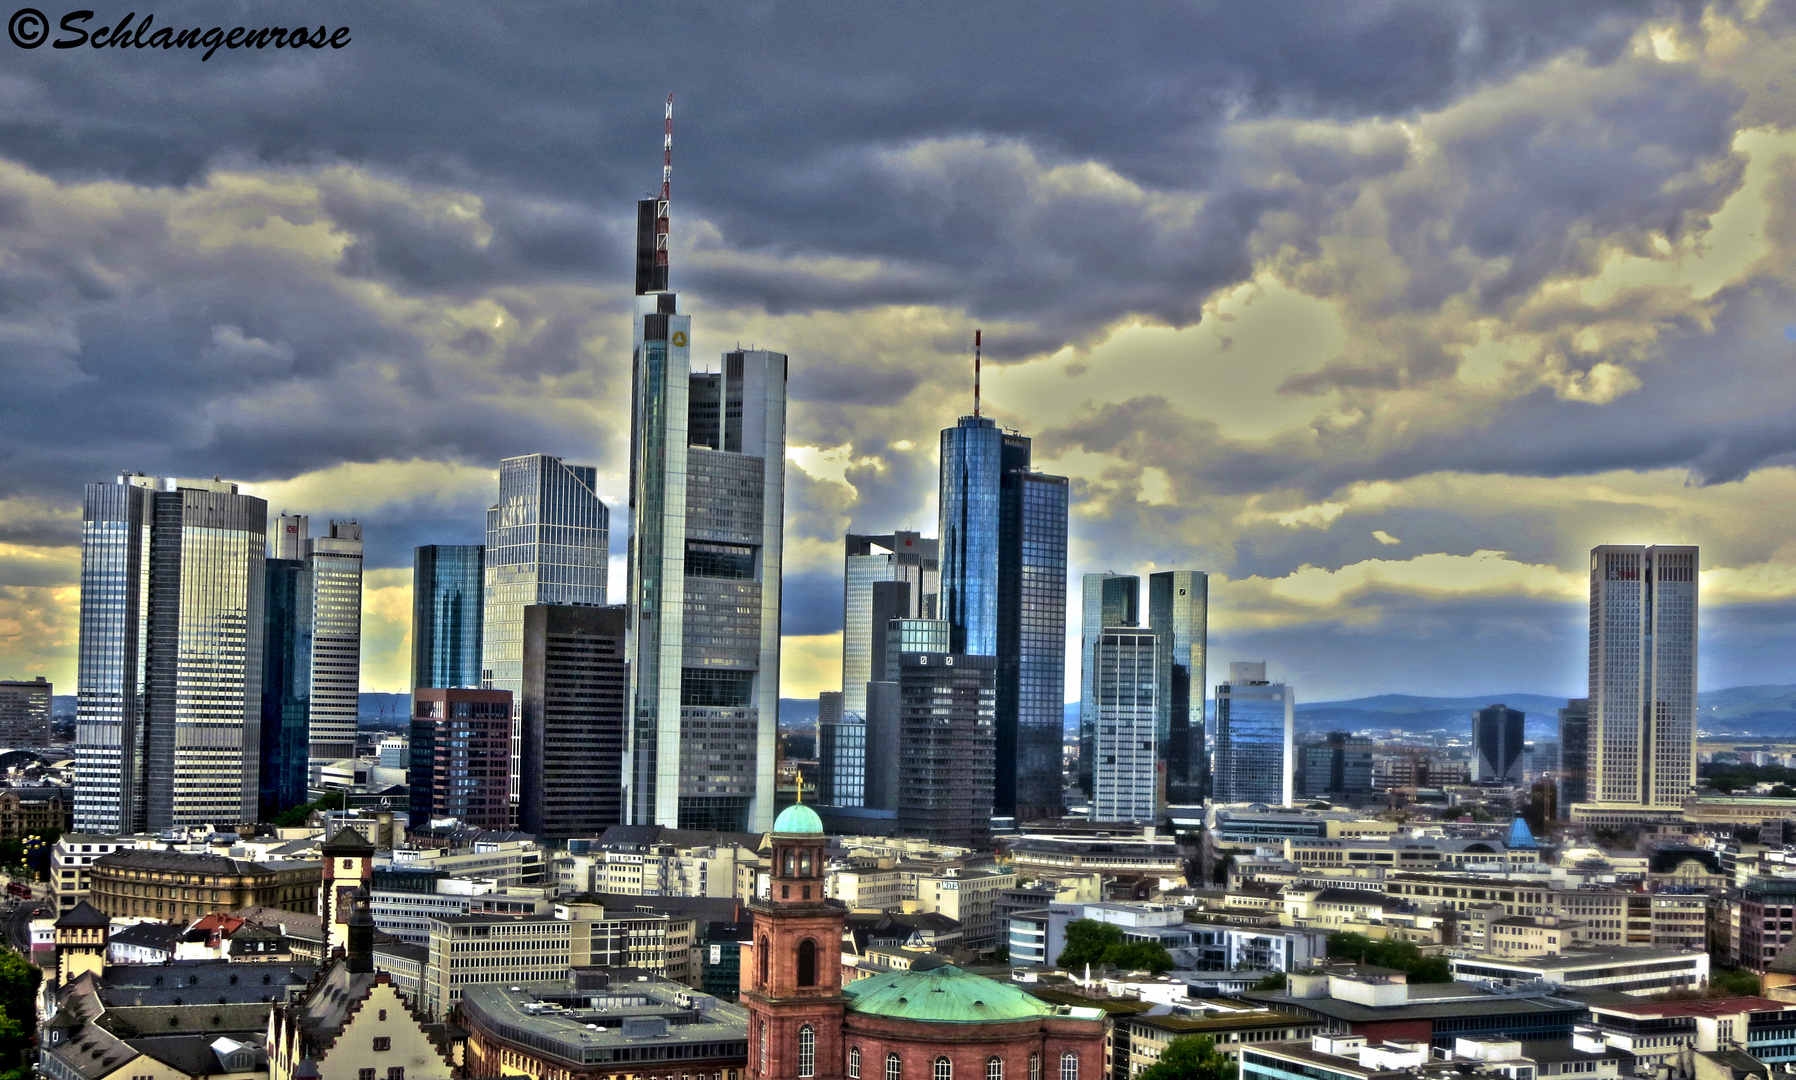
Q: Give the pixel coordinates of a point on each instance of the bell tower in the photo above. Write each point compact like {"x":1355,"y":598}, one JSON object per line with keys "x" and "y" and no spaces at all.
{"x":792,"y":970}
{"x":348,"y":867}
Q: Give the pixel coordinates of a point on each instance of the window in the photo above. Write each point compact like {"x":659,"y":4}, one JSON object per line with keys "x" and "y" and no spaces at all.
{"x":807,"y":963}
{"x":397,"y":1072}
{"x":894,"y":1067}
{"x":994,"y":1069}
{"x":807,"y":1051}
{"x":381,"y":1042}
{"x":944,"y":1069}
{"x":765,"y":951}
{"x":364,"y":1074}
{"x":1069,"y":1066}
{"x":383,"y":1014}
{"x":854,"y":1063}
{"x":1034,"y":1067}
{"x":763,"y":1048}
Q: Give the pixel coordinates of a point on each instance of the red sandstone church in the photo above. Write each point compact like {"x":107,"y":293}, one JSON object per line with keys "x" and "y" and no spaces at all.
{"x":933,"y":1022}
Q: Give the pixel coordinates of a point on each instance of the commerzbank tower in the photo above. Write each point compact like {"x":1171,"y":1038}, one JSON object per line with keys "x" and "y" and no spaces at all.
{"x":707,"y":506}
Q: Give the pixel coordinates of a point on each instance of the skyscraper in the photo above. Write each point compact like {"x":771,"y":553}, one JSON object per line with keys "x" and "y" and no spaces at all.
{"x":574,"y":717}
{"x":1255,"y":720}
{"x":447,"y":610}
{"x":1178,"y":610}
{"x":1643,"y":628}
{"x":1338,"y":767}
{"x":286,"y":686}
{"x":707,"y":505}
{"x":947,"y":711}
{"x":841,"y":752}
{"x":1106,"y":600}
{"x":169,"y":671}
{"x":1003,"y":534}
{"x":548,"y":541}
{"x":25,"y":712}
{"x":461,"y":757}
{"x":1127,"y":770}
{"x":899,"y":556}
{"x":335,"y":562}
{"x":1497,"y":742}
{"x":1574,"y":754}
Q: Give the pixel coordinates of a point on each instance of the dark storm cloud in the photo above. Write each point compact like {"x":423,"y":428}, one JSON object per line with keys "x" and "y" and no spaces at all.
{"x":811,"y":603}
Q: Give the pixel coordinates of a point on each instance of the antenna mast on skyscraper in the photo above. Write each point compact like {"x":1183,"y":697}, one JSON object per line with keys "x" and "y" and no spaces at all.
{"x":661,"y":225}
{"x":976,"y":335}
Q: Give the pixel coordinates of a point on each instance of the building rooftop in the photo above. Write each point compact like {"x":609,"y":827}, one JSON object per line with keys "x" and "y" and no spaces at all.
{"x":1460,"y":1004}
{"x":1583,"y":958}
{"x":1701,"y":1007}
{"x":584,"y":1026}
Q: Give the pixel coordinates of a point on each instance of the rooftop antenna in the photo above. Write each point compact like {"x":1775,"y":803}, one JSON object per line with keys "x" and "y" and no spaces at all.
{"x":976,"y":336}
{"x":661,"y":225}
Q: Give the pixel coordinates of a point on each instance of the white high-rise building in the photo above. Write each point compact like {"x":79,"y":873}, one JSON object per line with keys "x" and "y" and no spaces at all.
{"x":707,"y":512}
{"x":335,"y":560}
{"x":169,"y":676}
{"x":1126,"y":775}
{"x":900,"y":556}
{"x":1642,"y":747}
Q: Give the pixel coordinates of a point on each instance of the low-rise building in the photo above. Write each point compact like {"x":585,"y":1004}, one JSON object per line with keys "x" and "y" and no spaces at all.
{"x":1144,"y":1036}
{"x":1638,"y":971}
{"x":586,"y":1027}
{"x":179,"y":886}
{"x":473,"y":950}
{"x":866,"y":888}
{"x":70,"y":861}
{"x":1665,"y":1035}
{"x":1379,"y":1004}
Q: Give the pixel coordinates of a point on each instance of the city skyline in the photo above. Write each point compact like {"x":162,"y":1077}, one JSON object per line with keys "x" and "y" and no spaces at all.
{"x":1232,"y":329}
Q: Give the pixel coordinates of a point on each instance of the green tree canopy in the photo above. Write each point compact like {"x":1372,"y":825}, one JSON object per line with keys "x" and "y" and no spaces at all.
{"x":1191,"y":1057}
{"x":1399,"y":955}
{"x":18,"y":1007}
{"x":1091,"y":942}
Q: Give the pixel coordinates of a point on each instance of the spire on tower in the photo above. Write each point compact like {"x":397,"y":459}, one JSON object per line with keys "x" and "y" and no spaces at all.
{"x":661,"y":227}
{"x":976,"y":335}
{"x":652,"y":220}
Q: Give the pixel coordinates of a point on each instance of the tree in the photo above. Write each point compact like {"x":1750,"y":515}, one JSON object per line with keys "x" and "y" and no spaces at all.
{"x":1399,"y":955}
{"x":297,"y":816}
{"x":18,"y":1007}
{"x":1271,"y":982}
{"x":1091,"y":942}
{"x":1191,"y":1057}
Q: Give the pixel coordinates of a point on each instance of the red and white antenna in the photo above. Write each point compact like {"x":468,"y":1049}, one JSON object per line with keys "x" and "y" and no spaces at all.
{"x":661,"y":225}
{"x":976,"y":335}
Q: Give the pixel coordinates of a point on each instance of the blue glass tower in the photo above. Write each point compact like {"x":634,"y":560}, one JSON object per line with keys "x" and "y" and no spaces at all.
{"x":286,"y":686}
{"x":446,"y":615}
{"x":1003,"y":593}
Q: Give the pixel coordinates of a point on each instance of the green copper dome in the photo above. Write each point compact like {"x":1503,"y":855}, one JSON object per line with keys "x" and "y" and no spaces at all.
{"x":942,"y":994}
{"x":798,"y":818}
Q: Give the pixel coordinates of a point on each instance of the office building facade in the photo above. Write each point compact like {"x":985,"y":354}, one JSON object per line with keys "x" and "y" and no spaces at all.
{"x":904,"y":557}
{"x":1106,"y":600}
{"x":1127,"y":773}
{"x":574,"y":719}
{"x":1643,"y":632}
{"x":285,"y":752}
{"x":1498,"y":739}
{"x":1003,"y":532}
{"x":947,"y":712}
{"x":169,"y":668}
{"x":335,"y":562}
{"x":461,"y":757}
{"x":841,"y":751}
{"x":1255,"y":721}
{"x":1574,"y":755}
{"x":548,"y":541}
{"x":448,"y":582}
{"x":1178,"y":611}
{"x":25,"y":712}
{"x":1339,"y":767}
{"x":707,"y":504}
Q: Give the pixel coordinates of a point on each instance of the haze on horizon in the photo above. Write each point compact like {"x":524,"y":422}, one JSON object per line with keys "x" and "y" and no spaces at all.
{"x":1384,"y":316}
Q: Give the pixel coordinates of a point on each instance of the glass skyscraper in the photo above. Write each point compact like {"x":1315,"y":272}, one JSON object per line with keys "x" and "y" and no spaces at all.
{"x":1255,"y":720}
{"x":1642,"y":729}
{"x":707,"y":504}
{"x":1497,"y":741}
{"x":548,"y":541}
{"x":335,"y":560}
{"x":286,"y":686}
{"x":1003,"y":535}
{"x":899,"y":556}
{"x":1178,"y":610}
{"x":169,"y":669}
{"x":447,"y":583}
{"x":1106,"y":600}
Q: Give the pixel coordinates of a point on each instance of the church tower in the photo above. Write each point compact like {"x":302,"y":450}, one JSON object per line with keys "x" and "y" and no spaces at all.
{"x":348,"y":867}
{"x":792,"y":969}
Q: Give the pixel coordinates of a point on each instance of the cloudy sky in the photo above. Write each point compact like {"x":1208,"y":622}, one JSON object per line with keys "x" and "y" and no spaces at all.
{"x":1382,"y":313}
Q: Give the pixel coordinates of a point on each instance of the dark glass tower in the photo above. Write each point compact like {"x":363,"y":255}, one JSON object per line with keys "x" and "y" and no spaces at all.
{"x":1574,"y":754}
{"x":1178,"y":610}
{"x":1497,"y":734}
{"x":286,"y":685}
{"x":946,"y":705}
{"x":575,"y":694}
{"x":1003,"y":558}
{"x":446,"y":615}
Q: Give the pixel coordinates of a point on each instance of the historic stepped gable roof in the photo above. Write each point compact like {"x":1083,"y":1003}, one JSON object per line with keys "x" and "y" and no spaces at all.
{"x":942,"y":994}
